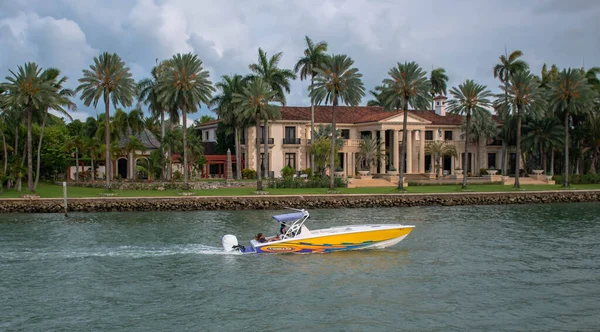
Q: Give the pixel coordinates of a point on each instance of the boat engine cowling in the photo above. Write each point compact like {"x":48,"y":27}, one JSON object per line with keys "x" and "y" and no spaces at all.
{"x":230,"y":242}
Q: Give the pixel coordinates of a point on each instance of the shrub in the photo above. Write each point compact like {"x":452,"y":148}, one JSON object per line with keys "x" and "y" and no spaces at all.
{"x":177,"y":175}
{"x":307,"y":171}
{"x":314,"y":182}
{"x":579,"y":179}
{"x":287,"y":172}
{"x":248,"y":173}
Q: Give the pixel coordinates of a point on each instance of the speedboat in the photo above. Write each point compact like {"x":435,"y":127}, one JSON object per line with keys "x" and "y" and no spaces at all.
{"x":297,"y":238}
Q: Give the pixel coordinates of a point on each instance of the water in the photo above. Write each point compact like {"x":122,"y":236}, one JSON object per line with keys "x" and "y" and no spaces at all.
{"x":481,"y":268}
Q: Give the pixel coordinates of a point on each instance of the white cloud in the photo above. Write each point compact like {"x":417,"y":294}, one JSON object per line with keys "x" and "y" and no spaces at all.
{"x":465,"y":37}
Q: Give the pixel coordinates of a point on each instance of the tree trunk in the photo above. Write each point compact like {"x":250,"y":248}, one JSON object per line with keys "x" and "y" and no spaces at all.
{"x":238,"y":163}
{"x":519,"y":118}
{"x":185,"y":164}
{"x":77,"y":164}
{"x":566,"y":175}
{"x":503,"y":158}
{"x":312,"y":128}
{"x":107,"y":167}
{"x":259,"y":186}
{"x":333,"y":147}
{"x":466,"y":156}
{"x":39,"y":149}
{"x":266,"y":149}
{"x":170,"y":164}
{"x":478,"y":161}
{"x":93,"y":170}
{"x":29,"y":152}
{"x":592,"y":169}
{"x":5,"y":153}
{"x":545,"y":161}
{"x":163,"y":165}
{"x":403,"y":152}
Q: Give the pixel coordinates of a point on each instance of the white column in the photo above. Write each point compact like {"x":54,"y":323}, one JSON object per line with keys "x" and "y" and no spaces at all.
{"x":382,"y":161}
{"x":395,"y":150}
{"x":422,"y":151}
{"x":409,"y":148}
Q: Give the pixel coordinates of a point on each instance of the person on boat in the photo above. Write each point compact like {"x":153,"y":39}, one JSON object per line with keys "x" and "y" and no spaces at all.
{"x":260,"y":237}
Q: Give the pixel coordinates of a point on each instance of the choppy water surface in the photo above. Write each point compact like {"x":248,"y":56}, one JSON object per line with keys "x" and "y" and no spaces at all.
{"x":462,"y":268}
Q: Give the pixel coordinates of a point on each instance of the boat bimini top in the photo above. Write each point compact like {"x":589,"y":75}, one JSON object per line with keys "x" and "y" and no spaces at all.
{"x":294,"y":223}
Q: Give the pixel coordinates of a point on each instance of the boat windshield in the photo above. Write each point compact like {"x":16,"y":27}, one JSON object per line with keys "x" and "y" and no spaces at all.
{"x":293,"y":222}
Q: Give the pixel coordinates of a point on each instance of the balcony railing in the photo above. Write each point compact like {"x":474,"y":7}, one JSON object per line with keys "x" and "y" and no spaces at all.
{"x":352,"y":142}
{"x":292,"y":141}
{"x":271,"y":140}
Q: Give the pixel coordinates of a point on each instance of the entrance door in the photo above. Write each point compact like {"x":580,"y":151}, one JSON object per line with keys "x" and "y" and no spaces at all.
{"x":122,"y":168}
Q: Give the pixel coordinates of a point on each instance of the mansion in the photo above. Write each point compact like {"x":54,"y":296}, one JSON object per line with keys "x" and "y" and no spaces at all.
{"x":289,"y":139}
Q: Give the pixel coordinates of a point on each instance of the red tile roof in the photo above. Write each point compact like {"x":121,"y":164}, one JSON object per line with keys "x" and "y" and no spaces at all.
{"x":361,"y":114}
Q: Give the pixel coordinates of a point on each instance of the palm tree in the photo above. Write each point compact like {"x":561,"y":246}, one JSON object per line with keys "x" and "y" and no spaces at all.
{"x":369,"y":151}
{"x":186,"y":85}
{"x":337,"y":81}
{"x":148,"y":94}
{"x":468,"y":97}
{"x":407,"y":85}
{"x":254,"y":102}
{"x":543,"y":135}
{"x":226,"y":110}
{"x":509,"y":64}
{"x":439,"y":149}
{"x":439,"y":82}
{"x":29,"y":91}
{"x":376,"y":93}
{"x":108,"y":78}
{"x":571,"y":95}
{"x":132,"y":145}
{"x":279,"y":80}
{"x":524,"y":97}
{"x":483,"y":127}
{"x":77,"y":144}
{"x":314,"y":56}
{"x":59,"y":103}
{"x":92,"y":147}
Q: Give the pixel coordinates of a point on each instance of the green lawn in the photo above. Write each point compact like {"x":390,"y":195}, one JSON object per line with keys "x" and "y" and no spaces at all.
{"x":48,"y":190}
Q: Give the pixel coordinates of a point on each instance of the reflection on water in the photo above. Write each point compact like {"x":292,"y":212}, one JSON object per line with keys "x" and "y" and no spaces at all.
{"x":462,"y":268}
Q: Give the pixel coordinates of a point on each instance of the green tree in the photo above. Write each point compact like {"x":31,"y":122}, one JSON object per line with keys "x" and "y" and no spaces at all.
{"x":76,"y":143}
{"x":468,"y":97}
{"x":314,"y":56}
{"x":524,"y":98}
{"x":29,"y":91}
{"x":369,"y":151}
{"x":110,"y":80}
{"x":439,"y":149}
{"x":148,"y":94}
{"x":439,"y":83}
{"x":92,"y":145}
{"x":570,"y":95}
{"x":226,"y":109}
{"x":60,"y":103}
{"x":186,"y":85}
{"x":483,"y":127}
{"x":407,"y":85}
{"x":544,"y":135}
{"x":508,"y":65}
{"x":279,"y":80}
{"x":254,"y":102}
{"x":337,"y":82}
{"x":376,"y":94}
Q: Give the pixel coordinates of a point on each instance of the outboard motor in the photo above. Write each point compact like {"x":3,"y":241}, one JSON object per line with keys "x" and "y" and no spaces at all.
{"x":230,"y":243}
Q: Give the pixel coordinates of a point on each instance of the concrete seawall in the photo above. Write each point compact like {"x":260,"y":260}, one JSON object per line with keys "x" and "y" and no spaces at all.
{"x":274,"y":202}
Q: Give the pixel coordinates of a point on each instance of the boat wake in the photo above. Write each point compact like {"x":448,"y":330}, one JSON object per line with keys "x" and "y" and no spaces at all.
{"x":121,"y":251}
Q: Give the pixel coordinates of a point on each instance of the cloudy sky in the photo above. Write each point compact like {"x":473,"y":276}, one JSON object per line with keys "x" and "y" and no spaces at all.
{"x":464,"y":36}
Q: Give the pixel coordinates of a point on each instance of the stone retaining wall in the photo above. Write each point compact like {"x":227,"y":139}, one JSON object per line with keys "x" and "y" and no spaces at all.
{"x":127,"y":185}
{"x":194,"y":203}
